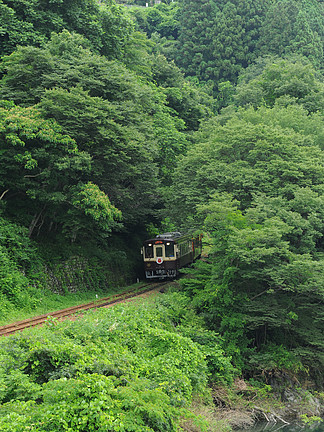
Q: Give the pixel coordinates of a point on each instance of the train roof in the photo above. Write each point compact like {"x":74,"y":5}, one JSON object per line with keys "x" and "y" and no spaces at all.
{"x":173,"y":236}
{"x":169,"y":235}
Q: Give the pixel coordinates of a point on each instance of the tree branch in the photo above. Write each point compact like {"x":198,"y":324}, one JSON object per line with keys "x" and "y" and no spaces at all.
{"x":3,"y":194}
{"x":262,"y":411}
{"x":32,"y":176}
{"x":263,"y":292}
{"x":272,"y":413}
{"x":34,"y":222}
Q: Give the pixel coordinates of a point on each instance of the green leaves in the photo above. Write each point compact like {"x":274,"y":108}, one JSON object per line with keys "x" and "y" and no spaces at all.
{"x":127,"y":370}
{"x":19,"y":265}
{"x":293,"y":27}
{"x":96,"y":206}
{"x":285,"y":82}
{"x":255,"y":177}
{"x":256,"y":281}
{"x":217,"y":39}
{"x":45,"y":166}
{"x":250,"y":153}
{"x":122,"y":122}
{"x":31,"y":22}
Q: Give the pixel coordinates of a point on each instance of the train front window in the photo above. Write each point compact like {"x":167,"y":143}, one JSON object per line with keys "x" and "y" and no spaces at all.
{"x":149,"y":251}
{"x":169,"y":250}
{"x":159,"y":251}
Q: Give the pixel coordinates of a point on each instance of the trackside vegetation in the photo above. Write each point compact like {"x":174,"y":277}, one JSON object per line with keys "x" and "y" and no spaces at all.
{"x":133,"y":367}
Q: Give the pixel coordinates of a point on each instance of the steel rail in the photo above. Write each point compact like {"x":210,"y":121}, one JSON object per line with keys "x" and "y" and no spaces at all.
{"x":41,"y":319}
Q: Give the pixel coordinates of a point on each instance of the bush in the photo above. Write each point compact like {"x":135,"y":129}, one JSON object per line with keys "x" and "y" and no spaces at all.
{"x":126,"y":368}
{"x":19,"y":264}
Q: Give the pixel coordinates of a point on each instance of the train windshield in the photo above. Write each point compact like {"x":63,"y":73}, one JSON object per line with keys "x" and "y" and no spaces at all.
{"x":159,"y":251}
{"x":149,"y":251}
{"x":169,"y":250}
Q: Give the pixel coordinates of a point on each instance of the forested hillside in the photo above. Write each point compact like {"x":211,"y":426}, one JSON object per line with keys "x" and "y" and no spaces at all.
{"x":118,"y":121}
{"x":92,"y":120}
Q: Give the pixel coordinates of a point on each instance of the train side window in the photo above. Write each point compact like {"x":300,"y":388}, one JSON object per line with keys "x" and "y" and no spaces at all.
{"x":159,"y":251}
{"x":148,"y":251}
{"x":169,"y":250}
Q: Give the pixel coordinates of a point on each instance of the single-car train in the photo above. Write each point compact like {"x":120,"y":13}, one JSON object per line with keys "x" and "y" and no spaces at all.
{"x":165,"y":254}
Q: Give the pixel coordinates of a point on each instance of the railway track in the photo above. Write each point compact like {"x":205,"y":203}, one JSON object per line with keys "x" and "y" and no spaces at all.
{"x":32,"y":322}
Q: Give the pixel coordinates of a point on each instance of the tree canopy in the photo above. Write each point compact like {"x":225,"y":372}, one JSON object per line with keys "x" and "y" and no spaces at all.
{"x":43,"y":176}
{"x":191,"y":114}
{"x":255,"y":179}
{"x":268,"y":151}
{"x":126,"y":125}
{"x":213,"y":41}
{"x":275,"y":80}
{"x":31,"y":22}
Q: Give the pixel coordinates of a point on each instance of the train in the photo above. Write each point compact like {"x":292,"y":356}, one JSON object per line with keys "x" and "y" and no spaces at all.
{"x":165,"y":254}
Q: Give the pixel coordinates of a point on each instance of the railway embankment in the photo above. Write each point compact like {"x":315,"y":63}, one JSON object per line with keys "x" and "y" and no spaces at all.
{"x":146,"y":364}
{"x":71,"y":312}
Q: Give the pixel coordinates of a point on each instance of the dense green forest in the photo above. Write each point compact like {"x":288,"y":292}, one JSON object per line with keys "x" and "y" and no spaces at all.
{"x":118,"y":121}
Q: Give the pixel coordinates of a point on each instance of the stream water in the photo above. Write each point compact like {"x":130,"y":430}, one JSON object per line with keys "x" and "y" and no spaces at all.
{"x":276,"y":427}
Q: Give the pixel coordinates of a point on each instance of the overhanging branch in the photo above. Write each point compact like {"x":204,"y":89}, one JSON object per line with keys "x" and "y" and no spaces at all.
{"x":3,"y":194}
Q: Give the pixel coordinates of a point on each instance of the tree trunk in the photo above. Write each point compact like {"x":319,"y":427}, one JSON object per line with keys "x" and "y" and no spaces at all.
{"x":35,"y":221}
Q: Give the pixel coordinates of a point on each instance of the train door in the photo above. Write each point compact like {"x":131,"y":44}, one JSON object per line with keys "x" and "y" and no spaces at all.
{"x":159,"y":252}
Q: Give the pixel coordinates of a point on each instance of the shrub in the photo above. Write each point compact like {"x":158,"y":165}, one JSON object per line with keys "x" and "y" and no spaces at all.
{"x":126,"y":368}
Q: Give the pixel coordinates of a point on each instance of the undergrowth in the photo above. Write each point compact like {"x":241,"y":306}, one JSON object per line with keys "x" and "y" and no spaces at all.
{"x":126,"y":368}
{"x":48,"y":302}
